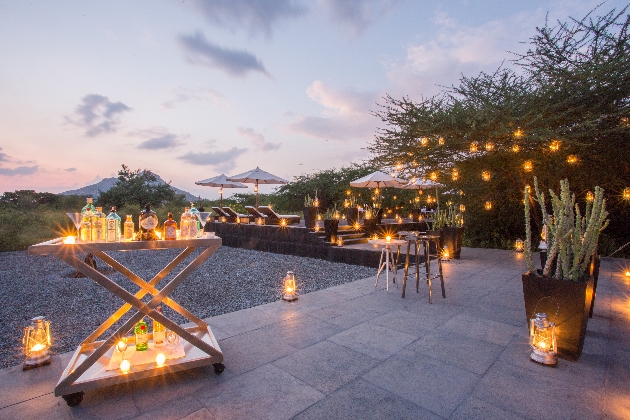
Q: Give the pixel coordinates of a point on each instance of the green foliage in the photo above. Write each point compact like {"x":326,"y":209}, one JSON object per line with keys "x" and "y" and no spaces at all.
{"x":571,"y":97}
{"x":139,"y":187}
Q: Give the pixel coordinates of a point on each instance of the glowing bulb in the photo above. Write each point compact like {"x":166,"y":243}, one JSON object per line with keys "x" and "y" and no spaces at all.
{"x":485,"y":175}
{"x":626,"y":193}
{"x":434,"y":176}
{"x":554,"y":146}
{"x":69,"y":240}
{"x":398,"y":166}
{"x":627,"y":273}
{"x":528,"y":166}
{"x":473,"y":147}
{"x":518,"y":133}
{"x":388,"y":238}
{"x":424,"y":141}
{"x":462,"y":208}
{"x":572,"y":159}
{"x":516,"y":148}
{"x":590,"y":197}
{"x":125,"y":366}
{"x":455,"y":175}
{"x":441,"y":141}
{"x":488,"y":205}
{"x":489,"y":146}
{"x":283,"y":222}
{"x":160,"y":359}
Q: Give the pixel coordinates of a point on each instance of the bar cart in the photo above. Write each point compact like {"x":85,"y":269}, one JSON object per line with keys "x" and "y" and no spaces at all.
{"x":90,"y":366}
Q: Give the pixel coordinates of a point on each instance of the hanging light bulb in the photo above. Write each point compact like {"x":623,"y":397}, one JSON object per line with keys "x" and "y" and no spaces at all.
{"x":455,"y":175}
{"x":626,"y":193}
{"x":554,"y":146}
{"x":589,"y":196}
{"x":485,"y":175}
{"x":528,"y":166}
{"x":518,"y":133}
{"x":441,"y":141}
{"x":488,"y":205}
{"x":572,"y":159}
{"x":516,"y":148}
{"x":434,"y":176}
{"x":489,"y":146}
{"x":473,"y":147}
{"x":399,"y":166}
{"x":424,"y":141}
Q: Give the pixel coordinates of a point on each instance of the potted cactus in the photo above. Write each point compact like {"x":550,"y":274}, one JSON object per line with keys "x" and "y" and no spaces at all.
{"x":331,"y":224}
{"x":310,"y":212}
{"x":352,"y":210}
{"x":453,"y":231}
{"x":567,"y":276}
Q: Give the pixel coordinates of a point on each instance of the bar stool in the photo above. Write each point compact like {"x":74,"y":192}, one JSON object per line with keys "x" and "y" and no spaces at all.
{"x":412,"y":241}
{"x":427,"y":242}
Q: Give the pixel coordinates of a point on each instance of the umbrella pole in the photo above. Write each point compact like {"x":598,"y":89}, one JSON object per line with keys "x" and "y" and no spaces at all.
{"x":221,"y":198}
{"x":437,"y":199}
{"x":256,"y":188}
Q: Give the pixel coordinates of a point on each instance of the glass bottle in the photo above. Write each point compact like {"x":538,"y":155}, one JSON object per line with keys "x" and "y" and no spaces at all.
{"x":148,"y":221}
{"x":98,"y":225}
{"x":113,"y":226}
{"x":159,"y":330}
{"x":184,"y":224}
{"x":194,"y":212}
{"x":170,"y":228}
{"x":89,"y":207}
{"x":86,"y":228}
{"x":129,"y":228}
{"x":142,"y":335}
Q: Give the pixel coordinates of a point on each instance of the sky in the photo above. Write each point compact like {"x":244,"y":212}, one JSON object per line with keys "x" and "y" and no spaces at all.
{"x":195,"y":88}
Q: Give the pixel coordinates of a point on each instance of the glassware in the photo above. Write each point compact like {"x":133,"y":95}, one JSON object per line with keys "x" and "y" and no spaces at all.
{"x":202,"y":216}
{"x":76,"y":218}
{"x":113,"y":226}
{"x":86,"y":228}
{"x":129,"y":228}
{"x":184,"y":224}
{"x":172,"y":339}
{"x":89,"y":207}
{"x":148,"y":221}
{"x":197,"y":228}
{"x":98,"y":225}
{"x":121,"y":346}
{"x":158,"y":330}
{"x":170,"y":228}
{"x":142,"y":335}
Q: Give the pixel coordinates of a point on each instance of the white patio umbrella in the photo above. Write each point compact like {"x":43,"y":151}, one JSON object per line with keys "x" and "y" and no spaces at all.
{"x":257,"y":176}
{"x":221,"y":182}
{"x":378,"y":179}
{"x":424,"y":184}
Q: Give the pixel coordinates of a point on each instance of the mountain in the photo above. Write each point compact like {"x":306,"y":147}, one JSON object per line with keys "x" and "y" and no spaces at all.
{"x":105,"y":184}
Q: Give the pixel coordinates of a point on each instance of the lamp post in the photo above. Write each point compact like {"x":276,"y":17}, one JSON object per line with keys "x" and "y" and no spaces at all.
{"x":36,"y":341}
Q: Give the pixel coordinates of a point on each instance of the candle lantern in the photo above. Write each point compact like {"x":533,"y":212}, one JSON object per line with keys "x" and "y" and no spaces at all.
{"x":516,"y":148}
{"x":446,"y":255}
{"x":455,"y":175}
{"x":485,"y":175}
{"x":462,"y":208}
{"x":488,"y":205}
{"x":626,"y":193}
{"x":589,"y":196}
{"x":69,"y":240}
{"x":316,"y":202}
{"x":519,"y":245}
{"x":36,"y":341}
{"x":316,"y":228}
{"x":283,"y":222}
{"x":528,"y":166}
{"x":259,"y":221}
{"x":339,"y":241}
{"x":434,"y":176}
{"x":572,"y":159}
{"x":289,"y":287}
{"x":473,"y":147}
{"x":542,"y":339}
{"x":238,"y":220}
{"x":424,"y":141}
{"x":489,"y":146}
{"x":441,"y":141}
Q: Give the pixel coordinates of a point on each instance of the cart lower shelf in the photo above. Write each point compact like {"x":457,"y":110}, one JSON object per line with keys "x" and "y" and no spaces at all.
{"x":97,"y":376}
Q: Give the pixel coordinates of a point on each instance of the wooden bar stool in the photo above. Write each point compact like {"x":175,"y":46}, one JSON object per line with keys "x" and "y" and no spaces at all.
{"x":429,"y":241}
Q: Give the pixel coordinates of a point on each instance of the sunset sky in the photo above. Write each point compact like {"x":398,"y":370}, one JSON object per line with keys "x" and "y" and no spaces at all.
{"x":195,"y":88}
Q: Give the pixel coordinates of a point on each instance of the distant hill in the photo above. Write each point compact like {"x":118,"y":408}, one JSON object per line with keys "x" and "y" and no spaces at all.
{"x":105,"y":184}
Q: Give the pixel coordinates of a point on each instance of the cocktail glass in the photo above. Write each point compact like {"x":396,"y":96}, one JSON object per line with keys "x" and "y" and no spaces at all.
{"x":76,"y":219}
{"x":203,"y":218}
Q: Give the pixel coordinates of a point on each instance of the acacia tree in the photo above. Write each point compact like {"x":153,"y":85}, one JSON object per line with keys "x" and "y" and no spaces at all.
{"x":561,"y":112}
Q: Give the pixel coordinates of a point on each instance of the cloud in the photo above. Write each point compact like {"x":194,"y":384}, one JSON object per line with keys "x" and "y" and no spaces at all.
{"x":258,"y":140}
{"x":70,"y":169}
{"x":356,"y":15}
{"x":235,"y":63}
{"x":255,"y":16}
{"x":96,"y":180}
{"x":346,"y":114}
{"x":164,"y":142}
{"x":457,"y":49}
{"x":223,"y":161}
{"x":4,"y":157}
{"x":19,"y":171}
{"x":206,"y":95}
{"x":98,"y":115}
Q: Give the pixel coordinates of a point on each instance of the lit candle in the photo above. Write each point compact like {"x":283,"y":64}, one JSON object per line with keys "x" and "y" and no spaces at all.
{"x":160,"y":359}
{"x":122,"y":346}
{"x":125,"y":366}
{"x":69,"y":240}
{"x":388,"y":238}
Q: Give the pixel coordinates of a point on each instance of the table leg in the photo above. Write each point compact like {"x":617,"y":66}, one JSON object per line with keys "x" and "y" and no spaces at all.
{"x":404,"y":282}
{"x":380,"y":268}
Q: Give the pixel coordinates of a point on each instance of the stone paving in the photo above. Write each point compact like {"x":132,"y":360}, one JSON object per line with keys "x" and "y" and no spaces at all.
{"x":355,"y":351}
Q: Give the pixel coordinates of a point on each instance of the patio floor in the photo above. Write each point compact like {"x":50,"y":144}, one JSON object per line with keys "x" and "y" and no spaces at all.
{"x":356,"y":351}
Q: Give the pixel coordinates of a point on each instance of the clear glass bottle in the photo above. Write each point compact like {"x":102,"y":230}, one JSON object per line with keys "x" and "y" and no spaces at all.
{"x":184,"y":224}
{"x":129,"y":228}
{"x":170,"y":228}
{"x":98,"y":225}
{"x":148,"y":221}
{"x":194,"y":212}
{"x":159,"y":330}
{"x":113,"y":226}
{"x":89,"y":207}
{"x":86,"y":228}
{"x":142,"y":336}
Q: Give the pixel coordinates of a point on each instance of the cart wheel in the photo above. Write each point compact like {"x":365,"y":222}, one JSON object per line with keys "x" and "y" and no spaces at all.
{"x":218,"y":368}
{"x":73,"y":399}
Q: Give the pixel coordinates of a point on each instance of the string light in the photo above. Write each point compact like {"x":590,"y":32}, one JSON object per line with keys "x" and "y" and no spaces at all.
{"x":589,"y":196}
{"x":424,"y":141}
{"x":415,"y":163}
{"x":441,"y":141}
{"x":398,"y":166}
{"x":528,"y":166}
{"x":455,"y":175}
{"x":473,"y":147}
{"x":518,"y":133}
{"x":626,"y":193}
{"x":516,"y":148}
{"x":434,"y":176}
{"x":572,"y":159}
{"x":485,"y":175}
{"x":554,"y":146}
{"x":462,"y":208}
{"x":488,"y":205}
{"x":489,"y":146}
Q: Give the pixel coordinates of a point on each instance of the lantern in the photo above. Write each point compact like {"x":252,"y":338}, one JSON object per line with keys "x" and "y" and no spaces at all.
{"x":283,"y":222}
{"x":488,"y":205}
{"x":238,"y":220}
{"x":542,"y":339}
{"x":589,"y":196}
{"x":415,"y":163}
{"x":519,"y":246}
{"x":446,"y":255}
{"x":289,"y":287}
{"x":316,"y":202}
{"x":424,"y":141}
{"x":125,"y":366}
{"x":572,"y":159}
{"x":388,"y":238}
{"x":357,"y":226}
{"x":375,"y":236}
{"x":528,"y":166}
{"x":319,"y":217}
{"x":489,"y":146}
{"x":36,"y":341}
{"x":160,"y":359}
{"x":485,"y":175}
{"x":441,"y":141}
{"x":339,"y":241}
{"x":554,"y":146}
{"x":256,"y":188}
{"x":626,"y":193}
{"x":516,"y":148}
{"x":223,"y":219}
{"x":455,"y":175}
{"x":473,"y":147}
{"x":69,"y":240}
{"x":462,"y":208}
{"x":316,"y":228}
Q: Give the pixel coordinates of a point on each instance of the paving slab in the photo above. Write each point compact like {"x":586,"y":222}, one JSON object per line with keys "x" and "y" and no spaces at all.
{"x":373,"y":340}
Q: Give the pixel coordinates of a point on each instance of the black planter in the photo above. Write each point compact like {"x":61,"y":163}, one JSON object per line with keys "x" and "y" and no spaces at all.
{"x":379,"y":216}
{"x":370,"y":226}
{"x":453,"y":240}
{"x":330,"y":229}
{"x":572,"y":300}
{"x":594,"y":271}
{"x":310,"y":217}
{"x":352,"y":215}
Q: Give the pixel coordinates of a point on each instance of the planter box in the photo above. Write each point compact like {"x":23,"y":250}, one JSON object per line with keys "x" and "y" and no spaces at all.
{"x":453,"y":240}
{"x":330,"y":229}
{"x":310,"y":217}
{"x":352,"y":215}
{"x":573,"y":300}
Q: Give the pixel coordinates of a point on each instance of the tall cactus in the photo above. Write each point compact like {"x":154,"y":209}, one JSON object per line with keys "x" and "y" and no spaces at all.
{"x":572,"y":238}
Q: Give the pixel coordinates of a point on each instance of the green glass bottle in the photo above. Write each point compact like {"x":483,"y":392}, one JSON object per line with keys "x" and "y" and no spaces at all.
{"x":195,"y":219}
{"x":89,"y":207}
{"x":142,"y":335}
{"x":113,"y":226}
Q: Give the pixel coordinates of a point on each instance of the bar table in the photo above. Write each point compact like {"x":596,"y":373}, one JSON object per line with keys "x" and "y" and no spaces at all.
{"x":87,"y":368}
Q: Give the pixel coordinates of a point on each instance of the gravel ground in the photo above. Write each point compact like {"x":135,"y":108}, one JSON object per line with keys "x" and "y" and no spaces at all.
{"x":230,"y":280}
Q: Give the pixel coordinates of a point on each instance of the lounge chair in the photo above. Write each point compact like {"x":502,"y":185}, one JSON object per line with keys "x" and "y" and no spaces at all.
{"x":255,"y":213}
{"x":274,"y":217}
{"x":220,"y":212}
{"x":234,"y":215}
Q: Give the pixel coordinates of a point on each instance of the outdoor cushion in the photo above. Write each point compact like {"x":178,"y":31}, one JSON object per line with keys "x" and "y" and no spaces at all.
{"x":268,"y":211}
{"x":252,"y":210}
{"x":234,"y":214}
